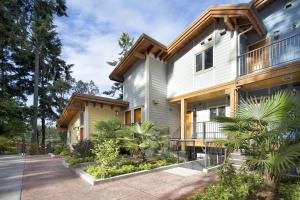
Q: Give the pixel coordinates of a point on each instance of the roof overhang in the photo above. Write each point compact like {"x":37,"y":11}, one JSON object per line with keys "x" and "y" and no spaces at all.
{"x":144,"y":45}
{"x":227,"y":13}
{"x":260,"y":4}
{"x":77,"y":104}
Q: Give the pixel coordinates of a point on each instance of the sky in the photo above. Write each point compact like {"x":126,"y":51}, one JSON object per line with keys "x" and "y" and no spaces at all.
{"x":90,"y":32}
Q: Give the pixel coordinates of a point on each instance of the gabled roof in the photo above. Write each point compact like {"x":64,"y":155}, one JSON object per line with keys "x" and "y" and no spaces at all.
{"x":77,"y":103}
{"x":146,"y":44}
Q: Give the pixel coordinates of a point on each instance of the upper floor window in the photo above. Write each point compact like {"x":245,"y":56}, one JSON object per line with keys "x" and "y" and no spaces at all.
{"x":204,"y":60}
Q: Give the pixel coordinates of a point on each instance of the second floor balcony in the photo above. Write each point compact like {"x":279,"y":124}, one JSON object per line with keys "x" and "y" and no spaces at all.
{"x":277,"y":54}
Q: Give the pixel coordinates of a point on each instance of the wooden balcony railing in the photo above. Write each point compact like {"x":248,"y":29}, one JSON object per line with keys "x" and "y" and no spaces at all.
{"x":272,"y":55}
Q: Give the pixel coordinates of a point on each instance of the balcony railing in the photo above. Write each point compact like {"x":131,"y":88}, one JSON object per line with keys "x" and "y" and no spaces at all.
{"x":273,"y":55}
{"x":205,"y":131}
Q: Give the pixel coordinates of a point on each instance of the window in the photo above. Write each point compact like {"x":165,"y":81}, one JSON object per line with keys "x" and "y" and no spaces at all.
{"x":128,"y":117}
{"x":217,"y":111}
{"x":199,"y":62}
{"x":138,"y":115}
{"x":81,"y":119}
{"x":204,"y":60}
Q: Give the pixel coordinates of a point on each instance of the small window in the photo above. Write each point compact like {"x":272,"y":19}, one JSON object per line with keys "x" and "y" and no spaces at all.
{"x":81,"y":119}
{"x":221,"y":111}
{"x":213,"y":113}
{"x":204,"y":60}
{"x":199,"y":62}
{"x":208,"y":58}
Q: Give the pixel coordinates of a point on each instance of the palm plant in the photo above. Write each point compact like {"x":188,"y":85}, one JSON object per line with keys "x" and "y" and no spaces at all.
{"x":107,"y":130}
{"x":140,"y":138}
{"x":268,"y":132}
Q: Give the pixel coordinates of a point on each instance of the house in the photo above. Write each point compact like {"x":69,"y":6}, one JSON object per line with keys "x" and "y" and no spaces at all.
{"x":84,"y":111}
{"x":230,"y":52}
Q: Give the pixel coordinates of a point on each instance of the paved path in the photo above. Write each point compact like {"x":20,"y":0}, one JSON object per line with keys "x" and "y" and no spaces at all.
{"x":11,"y":171}
{"x":45,"y":178}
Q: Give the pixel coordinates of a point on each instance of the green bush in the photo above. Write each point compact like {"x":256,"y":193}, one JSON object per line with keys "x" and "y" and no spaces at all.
{"x":58,"y":149}
{"x":83,"y":148}
{"x":74,"y":160}
{"x":146,"y":166}
{"x":231,"y":186}
{"x":65,"y":152}
{"x":5,"y":144}
{"x":160,"y":163}
{"x":125,"y":169}
{"x":96,"y":171}
{"x":289,"y":191}
{"x":168,"y":156}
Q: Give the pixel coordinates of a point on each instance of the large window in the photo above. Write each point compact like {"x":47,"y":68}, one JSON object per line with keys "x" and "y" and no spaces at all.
{"x":204,"y":60}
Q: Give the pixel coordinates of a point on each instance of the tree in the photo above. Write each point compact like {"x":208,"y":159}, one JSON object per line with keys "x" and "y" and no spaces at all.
{"x":14,"y":84}
{"x":125,"y":43}
{"x":82,"y":87}
{"x":268,"y":131}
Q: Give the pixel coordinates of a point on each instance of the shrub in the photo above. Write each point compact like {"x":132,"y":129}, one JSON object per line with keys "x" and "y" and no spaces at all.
{"x":146,"y":166}
{"x":5,"y":144}
{"x":58,"y":149}
{"x":106,"y":153}
{"x":289,"y":191}
{"x":83,"y":148}
{"x":74,"y":160}
{"x":125,"y":169}
{"x":168,"y":156}
{"x":232,"y":185}
{"x":65,"y":152}
{"x":96,"y":171}
{"x":160,"y":163}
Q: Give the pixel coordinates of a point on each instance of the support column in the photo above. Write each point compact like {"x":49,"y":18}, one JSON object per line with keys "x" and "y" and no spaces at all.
{"x":233,"y":101}
{"x":183,"y":108}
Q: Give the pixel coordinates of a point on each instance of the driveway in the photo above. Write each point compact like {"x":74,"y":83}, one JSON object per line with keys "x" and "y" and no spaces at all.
{"x":46,"y":178}
{"x":11,"y":171}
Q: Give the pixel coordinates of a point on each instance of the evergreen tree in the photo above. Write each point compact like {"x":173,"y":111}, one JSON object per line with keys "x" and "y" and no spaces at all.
{"x":125,"y":43}
{"x":82,"y":87}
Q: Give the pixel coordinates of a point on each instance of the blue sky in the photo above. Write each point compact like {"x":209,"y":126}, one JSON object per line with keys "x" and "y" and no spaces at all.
{"x":90,"y":32}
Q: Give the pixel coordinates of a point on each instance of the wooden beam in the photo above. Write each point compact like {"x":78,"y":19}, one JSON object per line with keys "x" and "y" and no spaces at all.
{"x":183,"y":110}
{"x":76,"y":108}
{"x":149,"y":49}
{"x":228,"y":23}
{"x":158,"y":53}
{"x":139,"y":55}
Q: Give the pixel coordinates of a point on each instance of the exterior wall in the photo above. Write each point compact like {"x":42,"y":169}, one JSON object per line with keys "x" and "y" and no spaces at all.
{"x":181,"y":73}
{"x":98,"y":113}
{"x":276,"y":17}
{"x":160,"y":111}
{"x":134,"y":87}
{"x":72,"y":129}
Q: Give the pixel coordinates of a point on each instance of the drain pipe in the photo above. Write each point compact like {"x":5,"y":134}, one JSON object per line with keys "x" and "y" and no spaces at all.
{"x":239,"y":50}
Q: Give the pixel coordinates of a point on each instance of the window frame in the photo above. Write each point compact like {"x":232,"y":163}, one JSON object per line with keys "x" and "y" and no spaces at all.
{"x":203,"y":52}
{"x":217,"y":110}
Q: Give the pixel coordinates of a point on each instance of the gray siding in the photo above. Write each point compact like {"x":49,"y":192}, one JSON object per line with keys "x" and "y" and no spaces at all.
{"x":181,"y":74}
{"x":160,"y":111}
{"x":134,"y":87}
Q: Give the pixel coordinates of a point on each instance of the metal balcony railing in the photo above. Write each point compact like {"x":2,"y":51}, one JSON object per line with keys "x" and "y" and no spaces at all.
{"x":205,"y":131}
{"x":273,"y":55}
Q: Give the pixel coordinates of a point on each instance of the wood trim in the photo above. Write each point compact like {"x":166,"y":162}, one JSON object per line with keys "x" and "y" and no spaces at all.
{"x":269,"y":73}
{"x":228,"y":23}
{"x":260,"y":4}
{"x":223,"y":86}
{"x":183,"y":111}
{"x":139,"y":55}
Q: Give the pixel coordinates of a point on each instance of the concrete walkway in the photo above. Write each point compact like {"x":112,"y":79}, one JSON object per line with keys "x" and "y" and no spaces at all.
{"x":45,"y":178}
{"x":11,"y":171}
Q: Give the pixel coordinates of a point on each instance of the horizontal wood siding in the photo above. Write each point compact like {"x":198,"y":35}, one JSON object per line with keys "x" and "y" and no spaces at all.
{"x":97,"y":113}
{"x":134,"y":87}
{"x":182,"y":77}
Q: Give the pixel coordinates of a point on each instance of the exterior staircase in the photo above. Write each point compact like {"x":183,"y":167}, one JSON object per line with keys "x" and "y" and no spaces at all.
{"x":236,"y":159}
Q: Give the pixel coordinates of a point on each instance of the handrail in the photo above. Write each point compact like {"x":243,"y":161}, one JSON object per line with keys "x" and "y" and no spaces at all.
{"x":271,"y":55}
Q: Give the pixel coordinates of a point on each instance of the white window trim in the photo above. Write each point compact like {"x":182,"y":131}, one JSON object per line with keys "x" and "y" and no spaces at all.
{"x":203,"y":61}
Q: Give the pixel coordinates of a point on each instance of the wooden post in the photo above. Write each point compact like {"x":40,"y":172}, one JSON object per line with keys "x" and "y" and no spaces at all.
{"x":183,"y":108}
{"x":233,"y":101}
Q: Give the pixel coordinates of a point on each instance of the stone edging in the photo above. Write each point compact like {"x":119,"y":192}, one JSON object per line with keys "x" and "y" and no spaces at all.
{"x":79,"y":170}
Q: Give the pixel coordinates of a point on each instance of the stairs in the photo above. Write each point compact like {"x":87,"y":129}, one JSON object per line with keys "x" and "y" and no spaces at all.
{"x":237,"y":159}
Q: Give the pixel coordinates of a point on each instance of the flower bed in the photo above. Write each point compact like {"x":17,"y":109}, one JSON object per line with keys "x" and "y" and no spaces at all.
{"x":99,"y":172}
{"x":74,"y":160}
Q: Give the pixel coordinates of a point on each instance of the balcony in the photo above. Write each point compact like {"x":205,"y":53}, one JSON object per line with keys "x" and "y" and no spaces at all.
{"x":206,"y":131}
{"x":274,"y":55}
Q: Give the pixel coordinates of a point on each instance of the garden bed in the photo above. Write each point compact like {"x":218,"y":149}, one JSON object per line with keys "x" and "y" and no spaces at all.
{"x":92,"y":180}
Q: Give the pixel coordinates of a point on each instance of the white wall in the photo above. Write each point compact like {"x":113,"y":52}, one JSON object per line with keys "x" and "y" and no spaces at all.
{"x":134,"y":87}
{"x":181,"y":74}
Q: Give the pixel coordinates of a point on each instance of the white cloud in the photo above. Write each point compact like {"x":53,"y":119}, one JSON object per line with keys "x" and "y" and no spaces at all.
{"x":91,"y":31}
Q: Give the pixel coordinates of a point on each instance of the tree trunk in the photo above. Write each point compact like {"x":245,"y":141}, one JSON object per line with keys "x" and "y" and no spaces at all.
{"x":34,"y":136}
{"x":270,"y":186}
{"x":43,"y":133}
